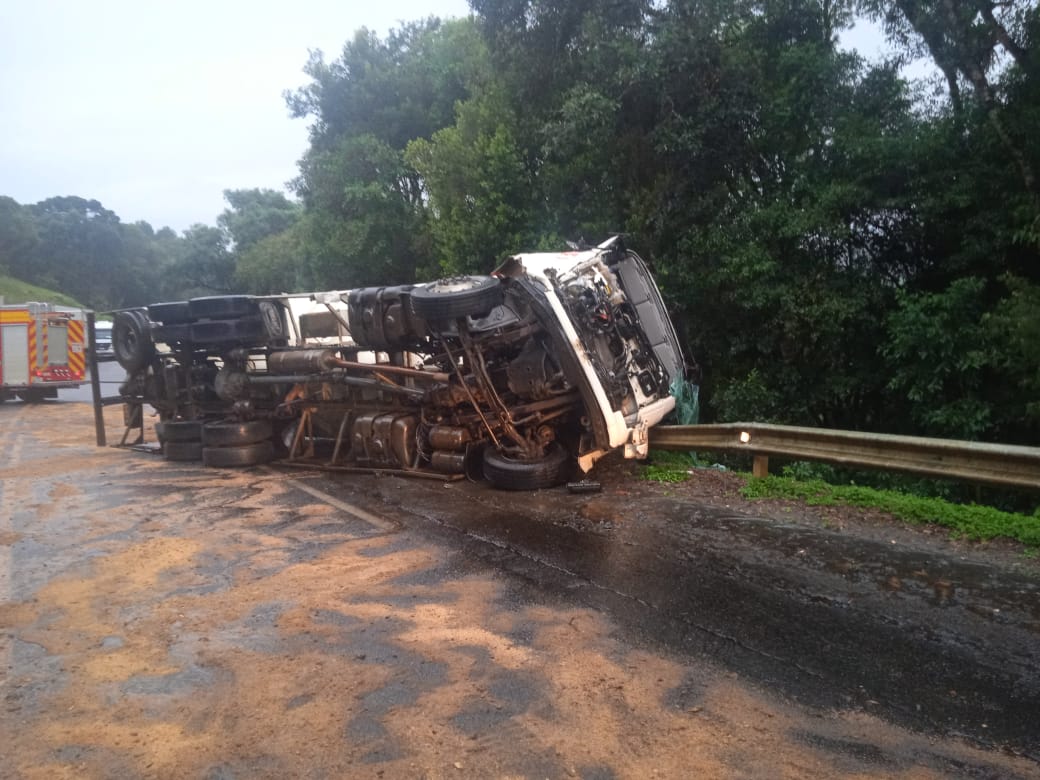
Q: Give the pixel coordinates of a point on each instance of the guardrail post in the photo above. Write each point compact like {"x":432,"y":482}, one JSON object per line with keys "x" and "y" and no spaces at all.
{"x":760,"y":466}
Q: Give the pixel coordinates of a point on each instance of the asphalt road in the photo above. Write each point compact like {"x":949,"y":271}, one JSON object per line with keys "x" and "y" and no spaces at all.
{"x":169,"y":620}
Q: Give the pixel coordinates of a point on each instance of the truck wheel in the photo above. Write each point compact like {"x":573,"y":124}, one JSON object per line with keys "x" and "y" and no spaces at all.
{"x":179,"y":431}
{"x":132,"y":339}
{"x":235,"y":434}
{"x":173,"y":313}
{"x":459,"y":296}
{"x":32,"y":396}
{"x":182,"y":450}
{"x":509,"y":473}
{"x":223,"y":307}
{"x":233,"y":457}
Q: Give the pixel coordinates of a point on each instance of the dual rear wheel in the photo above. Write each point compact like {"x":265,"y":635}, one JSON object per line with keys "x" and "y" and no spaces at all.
{"x":217,"y":444}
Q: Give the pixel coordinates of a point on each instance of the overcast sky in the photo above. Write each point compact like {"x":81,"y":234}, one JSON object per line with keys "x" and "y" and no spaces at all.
{"x":155,"y":108}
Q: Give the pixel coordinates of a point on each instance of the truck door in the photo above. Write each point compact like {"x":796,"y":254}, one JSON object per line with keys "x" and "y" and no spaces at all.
{"x":15,"y":351}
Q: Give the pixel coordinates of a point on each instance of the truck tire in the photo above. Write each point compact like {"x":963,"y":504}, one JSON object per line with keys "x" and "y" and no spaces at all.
{"x":458,"y":296}
{"x":132,"y":339}
{"x":235,"y":434}
{"x":508,"y":473}
{"x":173,"y":313}
{"x":223,"y":307}
{"x":33,"y":396}
{"x":182,"y":450}
{"x":179,"y":431}
{"x":235,"y":457}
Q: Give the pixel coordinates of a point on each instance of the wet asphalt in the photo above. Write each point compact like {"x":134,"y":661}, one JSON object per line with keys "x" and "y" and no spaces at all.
{"x":919,"y":634}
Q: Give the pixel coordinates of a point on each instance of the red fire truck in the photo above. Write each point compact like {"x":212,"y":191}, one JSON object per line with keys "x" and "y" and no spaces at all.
{"x":42,"y":348}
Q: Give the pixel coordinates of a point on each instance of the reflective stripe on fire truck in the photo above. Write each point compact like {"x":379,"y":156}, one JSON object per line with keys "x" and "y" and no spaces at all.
{"x":42,"y":332}
{"x":33,"y":353}
{"x":77,"y":355}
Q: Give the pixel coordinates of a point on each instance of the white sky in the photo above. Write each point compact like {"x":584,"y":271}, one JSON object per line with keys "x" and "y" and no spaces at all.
{"x":155,"y":108}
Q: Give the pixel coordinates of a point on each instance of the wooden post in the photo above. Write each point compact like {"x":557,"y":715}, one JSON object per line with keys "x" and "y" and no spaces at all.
{"x":760,"y":466}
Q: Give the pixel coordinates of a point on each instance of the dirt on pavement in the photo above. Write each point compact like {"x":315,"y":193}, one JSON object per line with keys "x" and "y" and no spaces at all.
{"x":167,"y":620}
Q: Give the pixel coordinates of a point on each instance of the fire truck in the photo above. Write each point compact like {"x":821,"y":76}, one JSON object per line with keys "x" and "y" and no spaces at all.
{"x":42,"y":348}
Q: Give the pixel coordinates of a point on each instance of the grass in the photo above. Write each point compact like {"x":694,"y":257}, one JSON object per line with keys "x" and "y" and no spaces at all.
{"x":666,"y":466}
{"x":16,"y":291}
{"x":967,"y":521}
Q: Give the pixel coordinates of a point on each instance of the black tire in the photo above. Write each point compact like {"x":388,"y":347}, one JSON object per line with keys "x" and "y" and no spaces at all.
{"x":509,"y":473}
{"x":273,"y":316}
{"x":459,"y":296}
{"x":179,"y":430}
{"x":132,"y":339}
{"x":33,"y":396}
{"x":246,"y":455}
{"x":182,"y":450}
{"x":236,"y":434}
{"x":247,"y":330}
{"x":223,"y":307}
{"x":173,"y":313}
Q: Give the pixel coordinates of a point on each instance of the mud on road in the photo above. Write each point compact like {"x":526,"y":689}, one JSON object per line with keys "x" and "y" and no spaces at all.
{"x":167,"y":620}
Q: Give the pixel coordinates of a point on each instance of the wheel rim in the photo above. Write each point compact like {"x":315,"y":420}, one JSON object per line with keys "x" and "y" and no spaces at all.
{"x":455,"y":284}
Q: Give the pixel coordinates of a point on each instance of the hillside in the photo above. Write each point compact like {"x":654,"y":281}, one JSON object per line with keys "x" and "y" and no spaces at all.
{"x":16,"y":291}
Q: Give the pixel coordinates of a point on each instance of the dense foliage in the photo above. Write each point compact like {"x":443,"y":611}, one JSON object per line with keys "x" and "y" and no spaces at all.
{"x":842,"y":247}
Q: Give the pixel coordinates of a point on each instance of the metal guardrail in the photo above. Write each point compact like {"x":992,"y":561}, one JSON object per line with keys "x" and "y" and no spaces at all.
{"x":1002,"y":464}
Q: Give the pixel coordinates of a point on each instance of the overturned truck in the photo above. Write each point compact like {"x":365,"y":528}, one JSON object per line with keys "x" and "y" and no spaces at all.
{"x":548,"y":363}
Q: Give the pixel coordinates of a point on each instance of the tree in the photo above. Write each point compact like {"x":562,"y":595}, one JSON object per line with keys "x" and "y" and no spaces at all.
{"x":19,"y":240}
{"x":81,"y":251}
{"x":253,"y":215}
{"x":937,"y":356}
{"x":366,"y":205}
{"x":205,"y":265}
{"x":965,"y":40}
{"x":366,"y":224}
{"x":274,"y":264}
{"x":480,"y":195}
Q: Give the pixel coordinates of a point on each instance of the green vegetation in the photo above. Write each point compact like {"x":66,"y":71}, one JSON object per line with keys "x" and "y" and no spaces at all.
{"x":968,"y":521}
{"x":664,"y":466}
{"x":16,"y":291}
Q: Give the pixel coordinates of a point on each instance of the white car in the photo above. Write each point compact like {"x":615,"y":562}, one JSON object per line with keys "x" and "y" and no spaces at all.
{"x":103,"y":338}
{"x":548,"y":363}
